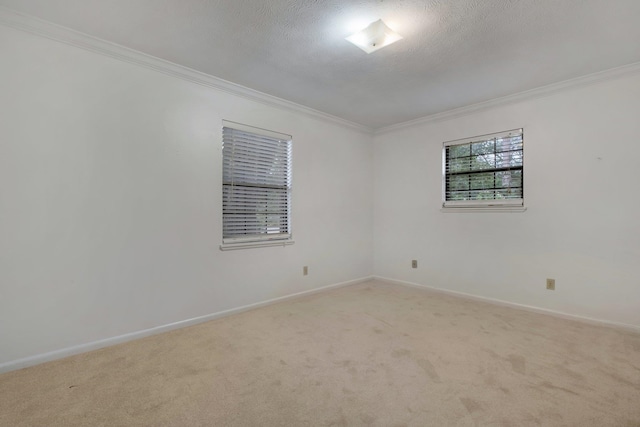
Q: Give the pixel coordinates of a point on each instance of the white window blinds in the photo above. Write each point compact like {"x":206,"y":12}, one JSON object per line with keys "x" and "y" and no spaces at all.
{"x":484,"y":171}
{"x":256,"y":184}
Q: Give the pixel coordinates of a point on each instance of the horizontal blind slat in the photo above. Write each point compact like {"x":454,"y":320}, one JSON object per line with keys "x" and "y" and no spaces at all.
{"x":256,"y":184}
{"x":489,"y":167}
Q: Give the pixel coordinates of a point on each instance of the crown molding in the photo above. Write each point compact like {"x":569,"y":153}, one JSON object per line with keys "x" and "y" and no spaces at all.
{"x":539,"y":92}
{"x":33,"y":25}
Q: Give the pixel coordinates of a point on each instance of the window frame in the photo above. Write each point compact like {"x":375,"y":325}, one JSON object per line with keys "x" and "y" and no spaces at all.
{"x":258,"y":240}
{"x":489,"y":205}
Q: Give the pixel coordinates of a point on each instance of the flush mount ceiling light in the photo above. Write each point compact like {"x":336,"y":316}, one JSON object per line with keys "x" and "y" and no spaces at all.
{"x":376,"y":36}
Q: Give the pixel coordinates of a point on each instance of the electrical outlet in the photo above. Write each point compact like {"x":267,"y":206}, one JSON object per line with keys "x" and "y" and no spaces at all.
{"x":414,"y":263}
{"x":305,"y":270}
{"x":551,"y":284}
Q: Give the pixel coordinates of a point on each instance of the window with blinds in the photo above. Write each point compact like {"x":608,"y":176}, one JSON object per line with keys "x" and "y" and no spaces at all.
{"x":256,"y":185}
{"x":484,"y":171}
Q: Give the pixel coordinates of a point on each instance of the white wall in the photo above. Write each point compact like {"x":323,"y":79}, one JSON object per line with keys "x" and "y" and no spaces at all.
{"x":110,"y":213}
{"x":110,"y":200}
{"x":582,"y":226}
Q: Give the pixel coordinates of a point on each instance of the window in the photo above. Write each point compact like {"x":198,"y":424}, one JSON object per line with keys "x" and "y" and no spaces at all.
{"x":256,"y":187}
{"x":484,"y":172}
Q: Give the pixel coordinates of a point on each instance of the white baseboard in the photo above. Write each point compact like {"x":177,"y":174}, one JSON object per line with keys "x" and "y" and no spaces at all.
{"x":530,"y":308}
{"x":95,"y":345}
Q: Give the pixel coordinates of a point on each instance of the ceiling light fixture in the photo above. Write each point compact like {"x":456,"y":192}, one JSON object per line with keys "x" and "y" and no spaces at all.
{"x":376,"y":36}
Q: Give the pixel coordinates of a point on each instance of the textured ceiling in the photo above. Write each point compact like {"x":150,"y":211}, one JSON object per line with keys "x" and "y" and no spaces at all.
{"x":454,"y":53}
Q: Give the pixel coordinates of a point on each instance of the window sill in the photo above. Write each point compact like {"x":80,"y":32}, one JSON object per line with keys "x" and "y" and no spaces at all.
{"x":251,"y":245}
{"x":475,"y":209}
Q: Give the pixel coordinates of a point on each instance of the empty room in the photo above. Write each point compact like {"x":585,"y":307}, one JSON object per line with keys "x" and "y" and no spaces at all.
{"x":319,"y":213}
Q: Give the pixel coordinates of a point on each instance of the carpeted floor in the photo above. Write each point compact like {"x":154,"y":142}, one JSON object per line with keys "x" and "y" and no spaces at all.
{"x":369,"y":354}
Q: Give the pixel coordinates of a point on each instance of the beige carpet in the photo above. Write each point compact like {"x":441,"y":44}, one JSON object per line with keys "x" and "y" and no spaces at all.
{"x":370,"y":354}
